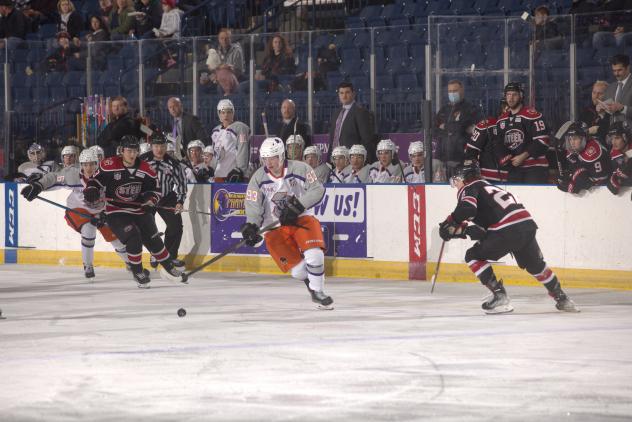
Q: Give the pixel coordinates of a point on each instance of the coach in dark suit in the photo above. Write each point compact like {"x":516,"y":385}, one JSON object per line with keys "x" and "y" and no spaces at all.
{"x":291,"y":124}
{"x":352,"y":124}
{"x":620,"y":93}
{"x":185,"y":127}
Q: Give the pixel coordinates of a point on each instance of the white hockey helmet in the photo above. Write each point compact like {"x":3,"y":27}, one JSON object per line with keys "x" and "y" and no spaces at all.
{"x":386,"y":145}
{"x":416,"y":147}
{"x":208,"y":149}
{"x":295,"y":139}
{"x":272,"y":147}
{"x":171,"y":147}
{"x":145,"y":147}
{"x":358,"y":149}
{"x":341,"y":151}
{"x":224,"y":105}
{"x":312,"y":150}
{"x":195,"y":144}
{"x":69,"y":150}
{"x":88,"y":155}
{"x":35,"y":152}
{"x":99,"y":151}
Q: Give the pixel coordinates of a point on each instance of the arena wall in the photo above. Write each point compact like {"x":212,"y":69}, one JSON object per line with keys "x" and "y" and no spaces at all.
{"x":586,"y":239}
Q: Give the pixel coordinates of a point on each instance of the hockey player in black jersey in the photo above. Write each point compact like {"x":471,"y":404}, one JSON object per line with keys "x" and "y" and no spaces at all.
{"x":588,"y":162}
{"x":501,"y":226}
{"x":131,"y":191}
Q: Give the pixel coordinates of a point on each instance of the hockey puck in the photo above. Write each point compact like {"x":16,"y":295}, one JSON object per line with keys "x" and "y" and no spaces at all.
{"x":182,"y":312}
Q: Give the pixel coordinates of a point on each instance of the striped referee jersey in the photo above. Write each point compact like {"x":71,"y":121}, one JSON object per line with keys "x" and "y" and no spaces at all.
{"x":170,"y":175}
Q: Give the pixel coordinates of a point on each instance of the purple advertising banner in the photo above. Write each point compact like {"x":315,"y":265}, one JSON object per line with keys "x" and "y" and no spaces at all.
{"x":342,"y":214}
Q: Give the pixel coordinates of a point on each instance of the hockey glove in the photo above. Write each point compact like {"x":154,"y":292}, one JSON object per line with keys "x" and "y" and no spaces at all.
{"x":613,"y":184}
{"x":31,"y":191}
{"x":449,"y":229}
{"x":289,"y":214}
{"x":250,"y":232}
{"x":91,"y":194}
{"x":579,"y":181}
{"x":34,"y":177}
{"x":475,"y":232}
{"x":235,"y":176}
{"x":98,"y":220}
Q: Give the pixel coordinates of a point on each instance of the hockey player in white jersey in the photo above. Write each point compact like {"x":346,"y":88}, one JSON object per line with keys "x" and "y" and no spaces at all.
{"x":342,"y":168}
{"x":414,"y":172}
{"x":294,"y":145}
{"x":359,"y":168}
{"x":385,"y":170}
{"x":75,"y":177}
{"x":313,"y":157}
{"x":69,"y":155}
{"x":285,"y":191}
{"x":195,"y":170}
{"x":231,"y":142}
{"x":35,"y":166}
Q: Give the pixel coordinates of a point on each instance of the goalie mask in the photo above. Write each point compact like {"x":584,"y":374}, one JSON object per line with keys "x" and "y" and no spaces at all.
{"x":36,"y":153}
{"x":575,"y":137}
{"x":468,"y":171}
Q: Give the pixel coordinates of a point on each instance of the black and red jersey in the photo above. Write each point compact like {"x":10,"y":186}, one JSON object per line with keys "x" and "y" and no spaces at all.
{"x":126,"y":187}
{"x":522,"y":132}
{"x":490,"y":207}
{"x":588,"y":168}
{"x":481,"y":147}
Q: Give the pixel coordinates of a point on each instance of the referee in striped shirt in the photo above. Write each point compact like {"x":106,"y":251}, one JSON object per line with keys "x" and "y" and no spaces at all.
{"x":173,"y":187}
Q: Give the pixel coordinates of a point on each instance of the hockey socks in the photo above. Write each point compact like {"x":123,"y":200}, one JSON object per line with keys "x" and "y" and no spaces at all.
{"x":88,"y":237}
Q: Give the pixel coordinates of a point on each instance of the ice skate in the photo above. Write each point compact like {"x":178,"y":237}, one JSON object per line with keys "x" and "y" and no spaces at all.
{"x":88,"y":270}
{"x":153,"y":263}
{"x":564,"y":303}
{"x":171,"y":273}
{"x":142,"y":279}
{"x":499,"y":302}
{"x":320,"y":298}
{"x":178,"y":263}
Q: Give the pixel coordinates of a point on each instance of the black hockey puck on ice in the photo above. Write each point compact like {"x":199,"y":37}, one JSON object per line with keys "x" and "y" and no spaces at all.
{"x":182,"y":312}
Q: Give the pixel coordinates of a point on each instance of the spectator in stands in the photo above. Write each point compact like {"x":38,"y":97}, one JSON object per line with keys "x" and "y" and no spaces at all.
{"x":69,"y":20}
{"x":99,"y":30}
{"x":230,"y":54}
{"x":66,"y":57}
{"x":352,"y":124}
{"x":170,"y":23}
{"x":105,"y":8}
{"x":291,"y":124}
{"x":13,"y":23}
{"x":613,"y":23}
{"x":149,"y":16}
{"x":454,"y":124}
{"x":121,"y":124}
{"x":619,"y":95}
{"x":39,"y":11}
{"x":120,"y":21}
{"x":278,"y":59}
{"x":185,"y":127}
{"x":226,"y":80}
{"x":328,"y":60}
{"x":595,"y":115}
{"x":547,"y":34}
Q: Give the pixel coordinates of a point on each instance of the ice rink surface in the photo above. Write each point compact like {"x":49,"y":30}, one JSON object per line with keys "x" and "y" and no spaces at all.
{"x":254,"y":348}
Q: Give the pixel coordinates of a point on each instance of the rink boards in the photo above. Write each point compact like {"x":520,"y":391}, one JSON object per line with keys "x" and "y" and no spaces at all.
{"x":586,"y":239}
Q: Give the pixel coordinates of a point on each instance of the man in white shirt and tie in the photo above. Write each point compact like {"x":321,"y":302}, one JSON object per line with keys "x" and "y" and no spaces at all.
{"x":619,"y":95}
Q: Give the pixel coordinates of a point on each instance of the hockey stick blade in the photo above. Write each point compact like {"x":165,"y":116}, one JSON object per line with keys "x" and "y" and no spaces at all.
{"x":434,"y":277}
{"x":231,"y":249}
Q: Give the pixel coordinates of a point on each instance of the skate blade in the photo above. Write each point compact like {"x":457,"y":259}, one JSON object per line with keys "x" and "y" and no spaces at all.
{"x":143,"y":286}
{"x":502,"y":309}
{"x":572,"y":310}
{"x":325,"y":307}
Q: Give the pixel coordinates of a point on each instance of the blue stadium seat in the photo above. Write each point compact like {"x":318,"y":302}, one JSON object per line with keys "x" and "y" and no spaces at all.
{"x":72,"y":77}
{"x":377,"y":21}
{"x":402,"y":21}
{"x":369,"y":12}
{"x":407,"y":82}
{"x":362,"y":39}
{"x":409,"y":9}
{"x":321,"y":40}
{"x":438,"y":7}
{"x":77,"y":91}
{"x":58,"y":93}
{"x":421,"y":9}
{"x":391,"y":11}
{"x":463,"y":7}
{"x":384,"y":83}
{"x":489,"y":7}
{"x":354,"y":22}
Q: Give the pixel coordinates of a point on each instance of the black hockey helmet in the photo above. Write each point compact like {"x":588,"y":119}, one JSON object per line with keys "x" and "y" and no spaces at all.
{"x":576,"y":130}
{"x":157,"y":138}
{"x":466,"y":172}
{"x":130,"y":141}
{"x":622,"y":129}
{"x":514,"y":87}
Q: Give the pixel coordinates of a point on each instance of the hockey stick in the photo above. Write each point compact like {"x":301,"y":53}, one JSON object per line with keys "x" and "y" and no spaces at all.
{"x":265,"y":124}
{"x":434,"y":277}
{"x":88,"y":216}
{"x":231,"y":249}
{"x":160,"y":207}
{"x":558,"y":137}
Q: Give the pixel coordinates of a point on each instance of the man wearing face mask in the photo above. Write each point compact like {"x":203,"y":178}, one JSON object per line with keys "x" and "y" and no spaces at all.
{"x":453,"y":126}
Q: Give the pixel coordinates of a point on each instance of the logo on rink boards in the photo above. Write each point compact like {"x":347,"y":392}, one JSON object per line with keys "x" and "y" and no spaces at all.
{"x":228,"y":204}
{"x":342,"y":205}
{"x":10,"y":222}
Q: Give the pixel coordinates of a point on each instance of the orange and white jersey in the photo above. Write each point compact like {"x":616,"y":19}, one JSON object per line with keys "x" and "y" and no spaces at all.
{"x":267,"y":195}
{"x":72,"y":177}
